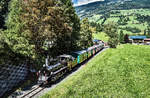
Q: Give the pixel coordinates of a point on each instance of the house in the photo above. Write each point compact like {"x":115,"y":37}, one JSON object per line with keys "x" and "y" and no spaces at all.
{"x":137,"y":39}
{"x":147,"y":41}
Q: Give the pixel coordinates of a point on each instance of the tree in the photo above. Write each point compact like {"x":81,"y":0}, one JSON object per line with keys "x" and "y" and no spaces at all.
{"x":86,"y":34}
{"x":97,"y":26}
{"x":111,"y":31}
{"x":34,"y":23}
{"x":3,"y":12}
{"x":121,"y":37}
{"x":74,"y":23}
{"x":126,"y":38}
{"x":144,"y":32}
{"x":47,"y":21}
{"x":15,"y":37}
{"x":148,"y":31}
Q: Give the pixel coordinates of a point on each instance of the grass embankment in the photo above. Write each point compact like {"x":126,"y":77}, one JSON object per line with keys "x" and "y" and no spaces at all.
{"x":121,"y":72}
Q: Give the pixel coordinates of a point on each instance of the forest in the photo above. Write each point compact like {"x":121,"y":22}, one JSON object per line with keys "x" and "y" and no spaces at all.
{"x":32,"y":30}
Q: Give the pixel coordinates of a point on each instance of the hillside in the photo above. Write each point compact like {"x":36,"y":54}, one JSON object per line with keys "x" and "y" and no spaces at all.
{"x":132,"y":16}
{"x":121,"y":72}
{"x":103,"y":7}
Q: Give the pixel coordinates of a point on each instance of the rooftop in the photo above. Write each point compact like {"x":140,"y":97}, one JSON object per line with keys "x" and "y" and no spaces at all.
{"x":137,"y":37}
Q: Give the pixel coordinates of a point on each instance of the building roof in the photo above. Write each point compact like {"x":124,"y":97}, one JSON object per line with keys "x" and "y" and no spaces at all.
{"x":137,"y":37}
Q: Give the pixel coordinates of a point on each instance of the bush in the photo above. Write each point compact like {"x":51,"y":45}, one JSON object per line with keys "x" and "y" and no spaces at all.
{"x":113,"y":42}
{"x":126,"y":38}
{"x":121,"y":37}
{"x":111,"y":31}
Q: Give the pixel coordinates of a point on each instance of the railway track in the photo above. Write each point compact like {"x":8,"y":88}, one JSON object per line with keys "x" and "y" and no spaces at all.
{"x":33,"y":92}
{"x":37,"y":89}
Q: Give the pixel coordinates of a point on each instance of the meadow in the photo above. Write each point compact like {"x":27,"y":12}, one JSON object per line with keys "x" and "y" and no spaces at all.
{"x":122,"y":72}
{"x":101,"y":36}
{"x":114,"y":16}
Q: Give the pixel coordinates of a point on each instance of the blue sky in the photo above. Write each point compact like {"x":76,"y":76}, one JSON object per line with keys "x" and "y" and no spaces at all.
{"x":83,"y":2}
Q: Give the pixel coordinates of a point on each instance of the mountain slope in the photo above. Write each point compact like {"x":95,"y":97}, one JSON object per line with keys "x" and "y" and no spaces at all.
{"x":103,"y":7}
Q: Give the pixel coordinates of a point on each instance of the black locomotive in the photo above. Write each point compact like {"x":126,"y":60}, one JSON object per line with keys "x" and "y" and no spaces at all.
{"x":53,"y":69}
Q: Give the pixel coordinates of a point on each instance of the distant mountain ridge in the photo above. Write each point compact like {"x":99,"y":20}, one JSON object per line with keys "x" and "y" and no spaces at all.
{"x":98,"y":1}
{"x":103,"y":7}
{"x":84,"y":2}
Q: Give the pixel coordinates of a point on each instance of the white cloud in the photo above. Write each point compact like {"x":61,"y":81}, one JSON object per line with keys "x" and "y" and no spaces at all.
{"x":83,"y":2}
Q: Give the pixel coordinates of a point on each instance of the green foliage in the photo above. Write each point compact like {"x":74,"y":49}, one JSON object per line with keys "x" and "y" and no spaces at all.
{"x":121,"y":72}
{"x":97,"y":26}
{"x":32,"y":24}
{"x":75,"y":23}
{"x":85,"y":34}
{"x":126,"y":38}
{"x":111,"y":31}
{"x":123,"y":20}
{"x":148,"y":30}
{"x":133,"y":30}
{"x":6,"y":53}
{"x":3,"y":12}
{"x":101,"y":35}
{"x":121,"y":37}
{"x":106,"y":6}
{"x":15,"y":37}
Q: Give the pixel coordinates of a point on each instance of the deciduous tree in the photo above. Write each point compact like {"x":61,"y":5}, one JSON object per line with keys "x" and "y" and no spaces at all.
{"x":86,"y":34}
{"x":111,"y":30}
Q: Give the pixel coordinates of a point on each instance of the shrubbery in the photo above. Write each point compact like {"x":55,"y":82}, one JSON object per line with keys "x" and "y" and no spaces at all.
{"x":121,"y":37}
{"x":111,"y":31}
{"x":33,"y":24}
{"x":133,"y":30}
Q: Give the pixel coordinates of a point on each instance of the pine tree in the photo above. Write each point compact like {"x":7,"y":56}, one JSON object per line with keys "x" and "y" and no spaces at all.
{"x":74,"y":20}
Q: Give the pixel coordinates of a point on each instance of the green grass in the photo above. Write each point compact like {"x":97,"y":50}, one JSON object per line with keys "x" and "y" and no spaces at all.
{"x":101,"y":36}
{"x":136,"y":11}
{"x":112,"y":19}
{"x":121,"y":73}
{"x":131,"y":14}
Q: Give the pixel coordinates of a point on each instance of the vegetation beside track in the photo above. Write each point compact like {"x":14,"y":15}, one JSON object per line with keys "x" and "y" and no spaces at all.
{"x":101,"y":36}
{"x":121,"y":72}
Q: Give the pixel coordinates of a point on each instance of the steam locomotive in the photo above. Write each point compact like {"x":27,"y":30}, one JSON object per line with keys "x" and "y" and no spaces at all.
{"x":53,"y":69}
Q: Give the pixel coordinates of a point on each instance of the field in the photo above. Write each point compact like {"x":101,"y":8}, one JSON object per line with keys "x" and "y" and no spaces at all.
{"x":128,"y":20}
{"x":101,"y":36}
{"x":116,"y":73}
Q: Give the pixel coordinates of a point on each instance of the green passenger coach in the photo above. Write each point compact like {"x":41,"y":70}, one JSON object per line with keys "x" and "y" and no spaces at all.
{"x":80,"y":55}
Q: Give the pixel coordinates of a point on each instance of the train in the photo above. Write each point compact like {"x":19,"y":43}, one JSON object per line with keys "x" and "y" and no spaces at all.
{"x":53,"y":69}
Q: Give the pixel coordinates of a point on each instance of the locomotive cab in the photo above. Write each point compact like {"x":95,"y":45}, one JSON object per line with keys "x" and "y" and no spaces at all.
{"x":65,"y":58}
